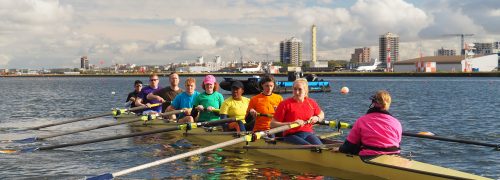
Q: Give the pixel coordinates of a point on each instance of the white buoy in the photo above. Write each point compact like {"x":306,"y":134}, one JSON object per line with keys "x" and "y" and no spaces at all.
{"x":112,"y":92}
{"x":344,"y":90}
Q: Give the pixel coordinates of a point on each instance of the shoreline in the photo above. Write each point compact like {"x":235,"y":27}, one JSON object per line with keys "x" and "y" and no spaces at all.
{"x":319,"y":74}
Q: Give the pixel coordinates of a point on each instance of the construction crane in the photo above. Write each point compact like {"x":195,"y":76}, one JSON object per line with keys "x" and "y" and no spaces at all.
{"x":462,"y":52}
{"x":241,"y":59}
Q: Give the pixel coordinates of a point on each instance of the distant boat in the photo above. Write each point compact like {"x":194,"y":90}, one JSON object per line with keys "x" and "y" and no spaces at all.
{"x":251,"y":85}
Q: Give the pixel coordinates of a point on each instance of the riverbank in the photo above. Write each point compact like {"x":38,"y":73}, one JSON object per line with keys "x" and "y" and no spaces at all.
{"x":321,"y":74}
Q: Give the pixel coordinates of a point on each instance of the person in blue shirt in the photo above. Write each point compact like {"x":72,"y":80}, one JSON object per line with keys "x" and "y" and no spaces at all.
{"x":185,"y":100}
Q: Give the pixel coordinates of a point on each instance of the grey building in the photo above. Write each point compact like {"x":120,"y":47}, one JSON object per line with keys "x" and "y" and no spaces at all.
{"x":388,"y":46}
{"x":483,"y":48}
{"x":291,"y":52}
{"x":446,"y":52}
{"x":84,"y":63}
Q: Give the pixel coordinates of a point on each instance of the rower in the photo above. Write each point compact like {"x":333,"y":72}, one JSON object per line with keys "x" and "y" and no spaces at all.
{"x":263,"y":103}
{"x":185,"y":101}
{"x":142,"y":97}
{"x":377,"y":132}
{"x":132,"y":96}
{"x":208,"y":101}
{"x":299,"y":109}
{"x":167,"y":94}
{"x":235,"y":106}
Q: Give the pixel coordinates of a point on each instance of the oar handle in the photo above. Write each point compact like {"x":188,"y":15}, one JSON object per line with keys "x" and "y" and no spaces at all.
{"x":497,"y":146}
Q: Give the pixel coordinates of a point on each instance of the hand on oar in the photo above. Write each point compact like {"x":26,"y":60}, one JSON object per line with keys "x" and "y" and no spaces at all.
{"x":179,"y":127}
{"x":426,"y":135}
{"x":265,"y":115}
{"x":89,"y":117}
{"x":246,"y":138}
{"x":335,"y":124}
{"x":141,"y":118}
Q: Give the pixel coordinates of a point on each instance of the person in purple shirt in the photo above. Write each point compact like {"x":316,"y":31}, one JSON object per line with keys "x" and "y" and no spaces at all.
{"x":141,"y":98}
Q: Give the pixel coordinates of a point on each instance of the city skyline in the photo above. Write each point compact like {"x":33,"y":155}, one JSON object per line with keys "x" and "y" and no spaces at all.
{"x":56,"y":34}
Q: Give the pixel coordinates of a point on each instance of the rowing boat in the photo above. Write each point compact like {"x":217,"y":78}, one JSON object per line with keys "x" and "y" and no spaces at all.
{"x":322,"y":159}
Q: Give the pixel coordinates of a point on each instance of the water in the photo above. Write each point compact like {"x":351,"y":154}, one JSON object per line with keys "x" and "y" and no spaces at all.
{"x":458,"y":107}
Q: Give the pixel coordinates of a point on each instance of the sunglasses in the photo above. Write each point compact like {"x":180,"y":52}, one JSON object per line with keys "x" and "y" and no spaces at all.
{"x":153,"y":79}
{"x":138,"y":86}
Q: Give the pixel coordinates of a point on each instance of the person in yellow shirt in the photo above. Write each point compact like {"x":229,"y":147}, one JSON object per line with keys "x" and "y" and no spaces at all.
{"x":235,"y":106}
{"x":264,"y":103}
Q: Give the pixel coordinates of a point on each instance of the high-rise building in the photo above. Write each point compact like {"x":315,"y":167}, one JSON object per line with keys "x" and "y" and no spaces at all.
{"x":291,"y":52}
{"x":361,"y":55}
{"x":446,"y":52}
{"x":84,"y":63}
{"x":388,"y":50}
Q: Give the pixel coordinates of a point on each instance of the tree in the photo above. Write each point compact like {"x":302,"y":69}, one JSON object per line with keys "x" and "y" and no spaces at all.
{"x":337,"y":63}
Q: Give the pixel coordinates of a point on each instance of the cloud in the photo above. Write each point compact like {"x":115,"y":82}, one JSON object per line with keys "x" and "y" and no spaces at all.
{"x":495,"y":12}
{"x":361,"y":24}
{"x":181,"y":22}
{"x":4,"y":60}
{"x":196,"y":37}
{"x":129,"y":48}
{"x":446,"y":20}
{"x":379,"y":16}
{"x":52,"y":33}
{"x":44,"y":17}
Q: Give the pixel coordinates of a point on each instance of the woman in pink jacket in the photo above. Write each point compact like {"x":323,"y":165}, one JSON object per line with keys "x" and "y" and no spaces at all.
{"x":377,"y":132}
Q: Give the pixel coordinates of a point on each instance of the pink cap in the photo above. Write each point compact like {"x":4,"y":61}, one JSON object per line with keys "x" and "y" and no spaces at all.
{"x":209,"y":79}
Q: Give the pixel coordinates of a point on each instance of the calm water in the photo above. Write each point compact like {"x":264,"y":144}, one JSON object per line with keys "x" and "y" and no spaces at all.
{"x":453,"y":107}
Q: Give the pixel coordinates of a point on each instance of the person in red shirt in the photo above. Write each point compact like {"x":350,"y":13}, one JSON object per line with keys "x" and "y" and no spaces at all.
{"x":300,"y":109}
{"x":377,"y":132}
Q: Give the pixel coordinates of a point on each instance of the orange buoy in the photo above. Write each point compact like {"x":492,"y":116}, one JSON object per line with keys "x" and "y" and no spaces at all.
{"x":344,"y":90}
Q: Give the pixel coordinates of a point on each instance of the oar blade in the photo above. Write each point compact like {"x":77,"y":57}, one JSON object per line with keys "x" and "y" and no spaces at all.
{"x":27,"y":140}
{"x":107,"y":176}
{"x":18,"y":151}
{"x":9,"y":151}
{"x":28,"y":150}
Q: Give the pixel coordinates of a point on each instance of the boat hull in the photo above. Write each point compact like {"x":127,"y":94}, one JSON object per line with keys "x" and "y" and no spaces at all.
{"x":320,"y":160}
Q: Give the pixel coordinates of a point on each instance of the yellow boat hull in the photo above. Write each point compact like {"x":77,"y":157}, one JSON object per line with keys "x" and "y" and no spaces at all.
{"x":321,"y":161}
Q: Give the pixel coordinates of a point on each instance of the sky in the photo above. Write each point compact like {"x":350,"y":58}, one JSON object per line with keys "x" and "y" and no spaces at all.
{"x":56,"y":33}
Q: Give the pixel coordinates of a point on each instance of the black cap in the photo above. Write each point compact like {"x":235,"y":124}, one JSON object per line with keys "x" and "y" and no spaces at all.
{"x":237,"y":84}
{"x":137,"y":82}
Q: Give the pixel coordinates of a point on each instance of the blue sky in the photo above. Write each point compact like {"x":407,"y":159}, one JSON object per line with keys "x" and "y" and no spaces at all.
{"x":56,"y":33}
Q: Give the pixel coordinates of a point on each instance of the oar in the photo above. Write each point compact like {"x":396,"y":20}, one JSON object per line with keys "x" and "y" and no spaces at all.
{"x":427,"y":136}
{"x":246,"y":138}
{"x":180,"y":127}
{"x":94,"y":116}
{"x":142,"y":118}
{"x":496,"y":146}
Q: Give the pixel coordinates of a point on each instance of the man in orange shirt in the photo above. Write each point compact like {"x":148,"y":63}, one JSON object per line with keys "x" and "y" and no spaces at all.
{"x":264,"y":103}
